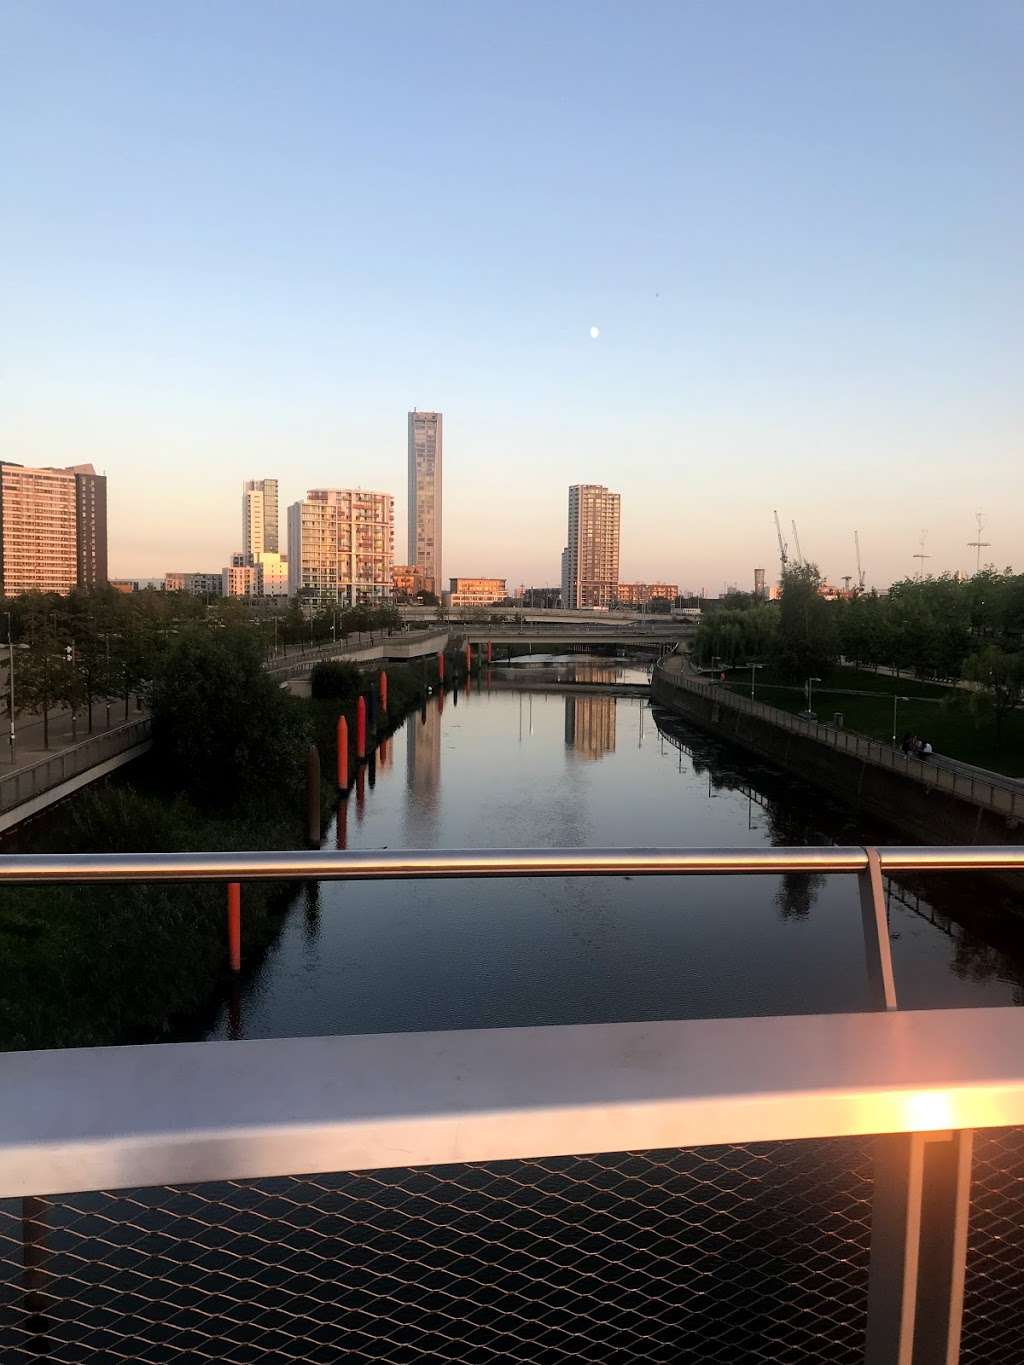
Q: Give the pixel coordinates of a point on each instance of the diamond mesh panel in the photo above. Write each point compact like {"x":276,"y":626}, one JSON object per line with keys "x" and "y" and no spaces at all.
{"x":994,"y":1288}
{"x":729,"y":1254}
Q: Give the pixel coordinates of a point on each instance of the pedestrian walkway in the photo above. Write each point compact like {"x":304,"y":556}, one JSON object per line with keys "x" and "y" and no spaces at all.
{"x":39,"y":778}
{"x":64,"y":732}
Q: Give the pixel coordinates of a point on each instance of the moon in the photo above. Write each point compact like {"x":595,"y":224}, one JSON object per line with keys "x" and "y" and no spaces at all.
{"x":595,"y":332}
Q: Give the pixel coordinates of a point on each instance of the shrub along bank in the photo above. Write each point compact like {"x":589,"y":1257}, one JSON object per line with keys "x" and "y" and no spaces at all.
{"x":94,"y":965}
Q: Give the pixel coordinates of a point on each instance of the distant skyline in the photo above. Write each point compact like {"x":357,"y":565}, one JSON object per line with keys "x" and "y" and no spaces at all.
{"x":244,"y":242}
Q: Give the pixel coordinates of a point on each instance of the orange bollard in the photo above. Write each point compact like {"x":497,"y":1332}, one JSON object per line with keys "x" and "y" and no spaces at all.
{"x":235,"y":926}
{"x":383,"y":690}
{"x":342,"y":754}
{"x":440,"y":668}
{"x":361,"y":728}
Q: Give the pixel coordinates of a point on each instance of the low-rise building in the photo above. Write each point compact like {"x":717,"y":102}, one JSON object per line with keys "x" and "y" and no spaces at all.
{"x":542,"y":597}
{"x":638,"y":594}
{"x":476,"y":592}
{"x":407,"y":579}
{"x":197,"y":584}
{"x":124,"y":584}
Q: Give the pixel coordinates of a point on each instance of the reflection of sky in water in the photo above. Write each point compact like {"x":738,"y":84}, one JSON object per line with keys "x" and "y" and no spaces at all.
{"x":512,"y":769}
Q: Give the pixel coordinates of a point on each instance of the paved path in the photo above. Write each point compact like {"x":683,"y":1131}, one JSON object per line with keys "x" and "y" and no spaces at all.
{"x":29,"y":733}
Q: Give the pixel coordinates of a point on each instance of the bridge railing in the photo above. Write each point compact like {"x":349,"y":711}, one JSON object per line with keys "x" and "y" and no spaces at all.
{"x":24,"y":783}
{"x":1002,"y":794}
{"x":801,"y":1188}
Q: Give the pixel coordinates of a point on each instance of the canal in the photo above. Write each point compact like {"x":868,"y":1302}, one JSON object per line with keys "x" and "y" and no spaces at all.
{"x":513,"y":768}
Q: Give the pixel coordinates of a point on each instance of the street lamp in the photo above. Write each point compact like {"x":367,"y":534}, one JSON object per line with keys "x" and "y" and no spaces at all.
{"x":894,"y":701}
{"x":10,"y":672}
{"x":810,"y":692}
{"x":753,"y":667}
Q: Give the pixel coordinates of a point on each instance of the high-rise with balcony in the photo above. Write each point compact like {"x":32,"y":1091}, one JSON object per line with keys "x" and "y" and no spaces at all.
{"x":590,"y":560}
{"x":341,"y":546}
{"x":259,"y":518}
{"x":425,"y":449}
{"x":53,"y":528}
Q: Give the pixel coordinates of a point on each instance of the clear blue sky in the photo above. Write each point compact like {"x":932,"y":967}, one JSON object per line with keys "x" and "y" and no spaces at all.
{"x":242,"y":239}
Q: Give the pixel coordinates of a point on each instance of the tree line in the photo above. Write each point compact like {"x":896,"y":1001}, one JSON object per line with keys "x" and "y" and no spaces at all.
{"x":102,"y":648}
{"x":942,"y":627}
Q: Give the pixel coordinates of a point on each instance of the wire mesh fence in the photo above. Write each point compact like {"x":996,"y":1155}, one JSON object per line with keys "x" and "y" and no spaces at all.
{"x":741,"y":1253}
{"x":993,"y":1329}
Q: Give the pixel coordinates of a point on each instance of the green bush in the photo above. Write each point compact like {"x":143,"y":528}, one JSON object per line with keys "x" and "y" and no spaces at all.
{"x":336,"y":682}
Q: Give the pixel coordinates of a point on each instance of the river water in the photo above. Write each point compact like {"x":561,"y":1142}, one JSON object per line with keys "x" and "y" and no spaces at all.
{"x":512,"y":768}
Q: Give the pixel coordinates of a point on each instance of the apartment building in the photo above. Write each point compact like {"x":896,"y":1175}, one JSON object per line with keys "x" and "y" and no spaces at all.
{"x":341,"y":544}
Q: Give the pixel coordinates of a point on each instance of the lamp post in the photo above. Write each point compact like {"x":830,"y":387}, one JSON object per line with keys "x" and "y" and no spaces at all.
{"x":10,"y":674}
{"x":810,"y":692}
{"x":753,"y":669}
{"x":894,"y":701}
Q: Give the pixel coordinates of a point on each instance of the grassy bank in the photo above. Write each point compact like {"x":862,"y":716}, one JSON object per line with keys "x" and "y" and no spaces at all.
{"x":950,"y":718}
{"x":91,"y":965}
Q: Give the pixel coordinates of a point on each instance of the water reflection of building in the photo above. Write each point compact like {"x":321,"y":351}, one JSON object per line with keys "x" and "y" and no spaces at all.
{"x":590,"y":725}
{"x":423,"y":757}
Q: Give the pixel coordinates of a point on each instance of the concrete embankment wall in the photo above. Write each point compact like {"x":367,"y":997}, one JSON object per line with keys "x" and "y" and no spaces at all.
{"x":936,"y":817}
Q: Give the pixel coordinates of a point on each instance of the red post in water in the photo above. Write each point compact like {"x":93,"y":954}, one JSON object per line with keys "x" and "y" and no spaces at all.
{"x":342,"y":754}
{"x":490,"y":651}
{"x":383,"y":690}
{"x":360,"y":792}
{"x":440,"y":668}
{"x":361,"y":728}
{"x":235,"y":926}
{"x":469,"y":658}
{"x":341,"y":828}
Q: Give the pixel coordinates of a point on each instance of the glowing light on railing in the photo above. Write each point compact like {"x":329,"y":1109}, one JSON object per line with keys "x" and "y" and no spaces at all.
{"x":928,"y":1110}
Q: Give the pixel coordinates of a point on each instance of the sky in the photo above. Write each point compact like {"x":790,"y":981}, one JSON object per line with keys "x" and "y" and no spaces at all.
{"x":242,"y":240}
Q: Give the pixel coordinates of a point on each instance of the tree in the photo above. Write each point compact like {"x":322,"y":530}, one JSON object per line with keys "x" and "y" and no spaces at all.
{"x":222,"y":728}
{"x":807,"y":642}
{"x":1001,"y":676}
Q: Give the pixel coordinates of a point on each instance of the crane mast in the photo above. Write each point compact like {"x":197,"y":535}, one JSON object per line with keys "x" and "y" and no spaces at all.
{"x":783,"y":556}
{"x":796,"y":542}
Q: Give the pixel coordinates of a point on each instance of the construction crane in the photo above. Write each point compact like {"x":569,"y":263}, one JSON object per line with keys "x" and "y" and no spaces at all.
{"x":783,"y":556}
{"x":979,"y":544}
{"x":921,"y":556}
{"x":796,"y":542}
{"x":860,"y":571}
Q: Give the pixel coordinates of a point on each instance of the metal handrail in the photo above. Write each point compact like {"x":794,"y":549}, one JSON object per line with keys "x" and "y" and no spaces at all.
{"x":413,"y":864}
{"x":24,"y":783}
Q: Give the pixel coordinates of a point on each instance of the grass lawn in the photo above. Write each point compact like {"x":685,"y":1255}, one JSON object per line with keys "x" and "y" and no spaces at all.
{"x":941,"y":714}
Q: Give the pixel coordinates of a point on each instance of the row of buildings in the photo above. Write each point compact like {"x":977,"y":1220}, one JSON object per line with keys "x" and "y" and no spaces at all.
{"x":340,"y":541}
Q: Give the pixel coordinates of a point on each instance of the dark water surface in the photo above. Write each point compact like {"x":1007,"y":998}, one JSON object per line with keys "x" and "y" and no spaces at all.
{"x":514,"y":769}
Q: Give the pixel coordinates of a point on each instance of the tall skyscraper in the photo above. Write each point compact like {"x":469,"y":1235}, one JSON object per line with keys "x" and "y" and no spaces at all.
{"x":53,"y":528}
{"x":259,"y":518}
{"x":590,"y":561}
{"x":425,"y":443}
{"x":341,"y":546}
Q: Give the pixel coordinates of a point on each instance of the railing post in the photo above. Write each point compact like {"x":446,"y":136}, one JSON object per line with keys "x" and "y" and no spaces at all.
{"x":877,"y":948}
{"x":918,"y":1248}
